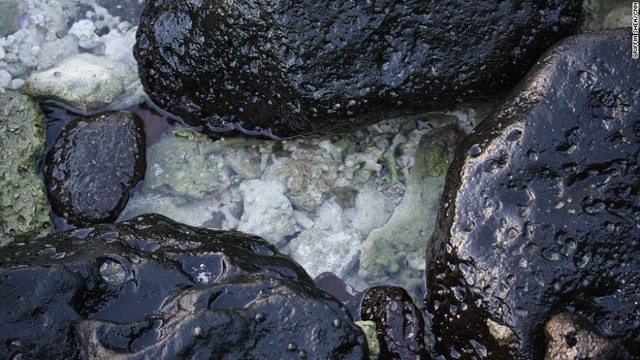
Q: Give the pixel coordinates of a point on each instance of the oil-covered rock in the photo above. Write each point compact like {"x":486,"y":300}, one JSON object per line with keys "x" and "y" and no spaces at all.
{"x":285,"y":68}
{"x":93,"y":165}
{"x":154,"y":288}
{"x":399,"y":322}
{"x":541,"y":209}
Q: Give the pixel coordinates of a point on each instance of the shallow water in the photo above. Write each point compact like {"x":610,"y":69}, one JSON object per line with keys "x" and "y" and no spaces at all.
{"x":320,"y":178}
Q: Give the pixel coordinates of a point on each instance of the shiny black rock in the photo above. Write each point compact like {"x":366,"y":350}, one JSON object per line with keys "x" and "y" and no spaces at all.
{"x":399,"y":323}
{"x":93,"y":165}
{"x":155,"y":289}
{"x":284,"y":68}
{"x":541,"y":209}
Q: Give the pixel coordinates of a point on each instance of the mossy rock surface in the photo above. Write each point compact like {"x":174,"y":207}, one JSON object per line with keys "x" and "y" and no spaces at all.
{"x":24,"y":210}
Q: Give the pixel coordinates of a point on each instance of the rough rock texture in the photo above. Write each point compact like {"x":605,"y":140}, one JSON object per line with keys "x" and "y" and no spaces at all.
{"x":300,"y":67}
{"x":339,"y":251}
{"x":570,"y":336}
{"x":10,"y":11}
{"x":405,"y":235}
{"x":87,"y":83}
{"x":541,"y":209}
{"x":399,"y":323}
{"x":23,"y":203}
{"x":93,"y":165}
{"x":267,"y":212}
{"x":153,"y":288}
{"x":184,"y":163}
{"x":599,"y":15}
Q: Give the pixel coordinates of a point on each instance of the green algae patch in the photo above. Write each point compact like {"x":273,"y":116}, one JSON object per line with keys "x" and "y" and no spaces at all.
{"x":396,"y":252}
{"x":24,"y":210}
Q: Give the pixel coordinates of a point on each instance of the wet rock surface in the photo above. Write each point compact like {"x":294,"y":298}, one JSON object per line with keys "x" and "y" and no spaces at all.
{"x":93,"y":165}
{"x":286,"y":68}
{"x":151,"y":288}
{"x":570,"y":336}
{"x":399,"y":322}
{"x":23,"y":202}
{"x":540,"y":210}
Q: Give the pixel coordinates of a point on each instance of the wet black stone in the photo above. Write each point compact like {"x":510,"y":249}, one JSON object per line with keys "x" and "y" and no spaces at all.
{"x":541,"y":209}
{"x":332,"y":284}
{"x":571,"y":336}
{"x":93,"y":165}
{"x":287,"y":68}
{"x":152,"y":288}
{"x":399,"y":322}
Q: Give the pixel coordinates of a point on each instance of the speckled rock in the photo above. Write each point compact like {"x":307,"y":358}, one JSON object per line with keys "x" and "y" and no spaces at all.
{"x":24,"y":210}
{"x":93,"y":165}
{"x":267,"y":212}
{"x":285,"y":67}
{"x":153,"y":288}
{"x":541,"y":209}
{"x":315,"y":162}
{"x":184,"y":163}
{"x":570,"y":337}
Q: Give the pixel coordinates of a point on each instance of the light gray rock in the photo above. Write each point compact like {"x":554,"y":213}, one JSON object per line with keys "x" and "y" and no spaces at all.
{"x":210,"y":212}
{"x":373,"y":210}
{"x":329,"y":216}
{"x":85,"y":31}
{"x":571,"y":336}
{"x":55,"y":51}
{"x":5,"y":79}
{"x":267,"y":211}
{"x":321,"y":250}
{"x":86,"y":82}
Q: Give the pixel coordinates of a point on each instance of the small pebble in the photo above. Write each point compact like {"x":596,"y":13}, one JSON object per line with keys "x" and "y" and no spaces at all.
{"x":16,"y":84}
{"x":5,"y":79}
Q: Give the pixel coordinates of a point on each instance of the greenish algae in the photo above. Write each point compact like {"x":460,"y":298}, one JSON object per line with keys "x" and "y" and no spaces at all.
{"x":24,"y":210}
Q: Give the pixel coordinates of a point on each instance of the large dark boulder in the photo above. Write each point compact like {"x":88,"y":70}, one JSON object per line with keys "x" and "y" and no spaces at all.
{"x":93,"y":165}
{"x":152,"y":288}
{"x":283,"y":68}
{"x":541,"y":209}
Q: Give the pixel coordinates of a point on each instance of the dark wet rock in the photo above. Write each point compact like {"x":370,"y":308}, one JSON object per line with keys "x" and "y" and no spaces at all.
{"x":301,"y":67}
{"x":93,"y":165}
{"x":571,"y":336}
{"x":153,"y":288}
{"x":331,"y":283}
{"x":541,"y":209}
{"x":399,"y":322}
